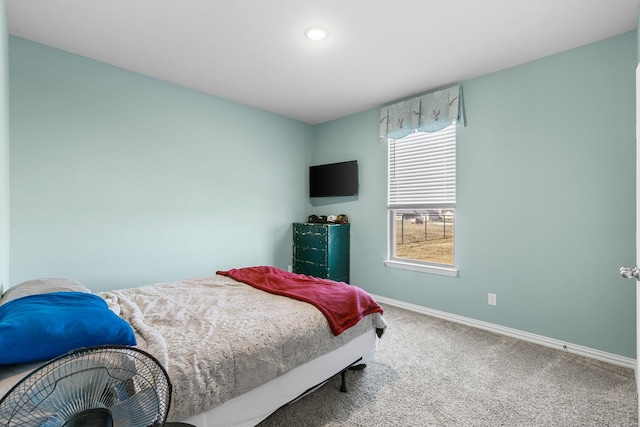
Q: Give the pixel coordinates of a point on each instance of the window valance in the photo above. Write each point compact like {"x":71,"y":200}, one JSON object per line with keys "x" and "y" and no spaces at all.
{"x":426,"y":113}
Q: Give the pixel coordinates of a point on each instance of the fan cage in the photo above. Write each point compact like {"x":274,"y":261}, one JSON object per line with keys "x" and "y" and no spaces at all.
{"x":128,"y":382}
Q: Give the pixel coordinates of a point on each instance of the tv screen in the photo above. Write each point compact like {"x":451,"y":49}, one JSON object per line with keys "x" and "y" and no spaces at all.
{"x":334,"y":179}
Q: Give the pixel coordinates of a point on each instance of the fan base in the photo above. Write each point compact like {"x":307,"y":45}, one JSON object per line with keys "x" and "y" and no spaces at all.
{"x":98,"y":417}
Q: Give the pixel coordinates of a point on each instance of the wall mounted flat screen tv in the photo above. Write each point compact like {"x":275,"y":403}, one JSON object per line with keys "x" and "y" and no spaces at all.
{"x":334,"y":179}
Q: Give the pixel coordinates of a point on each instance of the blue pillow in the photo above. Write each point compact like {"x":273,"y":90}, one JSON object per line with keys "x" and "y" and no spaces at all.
{"x":44,"y":326}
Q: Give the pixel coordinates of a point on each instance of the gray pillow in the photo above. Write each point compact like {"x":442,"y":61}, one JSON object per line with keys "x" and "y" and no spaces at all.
{"x":42,"y":286}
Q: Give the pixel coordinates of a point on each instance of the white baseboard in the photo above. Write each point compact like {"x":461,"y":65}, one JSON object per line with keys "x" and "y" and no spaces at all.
{"x":515,"y":333}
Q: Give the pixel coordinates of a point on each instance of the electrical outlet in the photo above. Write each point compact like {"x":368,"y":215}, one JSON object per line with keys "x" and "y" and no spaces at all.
{"x":289,"y":268}
{"x":492,"y":299}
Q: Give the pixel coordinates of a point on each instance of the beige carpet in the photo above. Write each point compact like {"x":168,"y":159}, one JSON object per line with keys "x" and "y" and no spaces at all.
{"x":432,"y":372}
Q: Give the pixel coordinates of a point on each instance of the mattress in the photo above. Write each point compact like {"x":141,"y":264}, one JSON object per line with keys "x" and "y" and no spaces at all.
{"x":219,"y":338}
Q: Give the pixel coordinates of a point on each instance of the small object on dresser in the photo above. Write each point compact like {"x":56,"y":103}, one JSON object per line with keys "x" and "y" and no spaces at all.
{"x":317,"y":219}
{"x":342,"y":219}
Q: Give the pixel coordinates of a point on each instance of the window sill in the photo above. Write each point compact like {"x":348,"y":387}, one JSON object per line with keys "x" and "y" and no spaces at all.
{"x":424,"y":268}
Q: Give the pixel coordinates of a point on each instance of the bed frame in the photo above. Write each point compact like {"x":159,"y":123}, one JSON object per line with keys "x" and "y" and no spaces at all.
{"x":253,"y":407}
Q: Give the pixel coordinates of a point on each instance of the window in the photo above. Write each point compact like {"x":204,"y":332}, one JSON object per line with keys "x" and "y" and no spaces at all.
{"x":422,"y":200}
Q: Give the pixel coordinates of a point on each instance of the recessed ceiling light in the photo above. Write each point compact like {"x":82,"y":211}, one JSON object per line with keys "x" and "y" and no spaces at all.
{"x":316,"y":33}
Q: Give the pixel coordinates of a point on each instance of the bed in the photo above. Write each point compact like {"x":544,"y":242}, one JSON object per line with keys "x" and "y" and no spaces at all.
{"x":236,"y":352}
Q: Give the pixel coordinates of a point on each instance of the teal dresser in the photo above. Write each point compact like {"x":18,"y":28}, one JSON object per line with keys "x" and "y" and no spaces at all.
{"x":322,"y":250}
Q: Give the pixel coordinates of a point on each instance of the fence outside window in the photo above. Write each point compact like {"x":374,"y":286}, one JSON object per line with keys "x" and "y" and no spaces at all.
{"x":423,"y":226}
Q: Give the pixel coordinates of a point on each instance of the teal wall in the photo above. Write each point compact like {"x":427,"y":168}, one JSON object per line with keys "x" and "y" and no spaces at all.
{"x":4,"y":153}
{"x":546,"y":200}
{"x":121,"y":180}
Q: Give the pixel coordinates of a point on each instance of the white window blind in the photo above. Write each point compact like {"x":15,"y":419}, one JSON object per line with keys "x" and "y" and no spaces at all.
{"x":422,"y":170}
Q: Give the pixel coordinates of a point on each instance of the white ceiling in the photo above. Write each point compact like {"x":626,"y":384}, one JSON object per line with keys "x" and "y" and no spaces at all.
{"x":255,"y":52}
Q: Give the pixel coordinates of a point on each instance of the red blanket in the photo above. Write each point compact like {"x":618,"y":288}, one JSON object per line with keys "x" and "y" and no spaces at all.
{"x":343,"y":305}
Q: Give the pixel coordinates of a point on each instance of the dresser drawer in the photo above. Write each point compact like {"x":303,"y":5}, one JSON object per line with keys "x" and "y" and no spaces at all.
{"x":310,"y":236}
{"x":311,"y":254}
{"x":310,"y":269}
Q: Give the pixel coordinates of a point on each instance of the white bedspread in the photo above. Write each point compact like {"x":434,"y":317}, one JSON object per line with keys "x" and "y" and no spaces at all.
{"x":219,"y":338}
